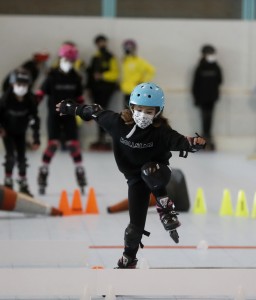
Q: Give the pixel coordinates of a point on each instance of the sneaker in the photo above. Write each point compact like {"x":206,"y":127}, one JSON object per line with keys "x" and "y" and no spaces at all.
{"x":126,"y":262}
{"x":168,"y":216}
{"x":8,"y":182}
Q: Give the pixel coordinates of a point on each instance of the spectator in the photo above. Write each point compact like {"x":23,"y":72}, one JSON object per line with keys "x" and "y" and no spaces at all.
{"x":205,"y":89}
{"x":135,"y":70}
{"x":102,"y":82}
{"x":18,"y":111}
{"x":62,"y":83}
{"x":33,"y":66}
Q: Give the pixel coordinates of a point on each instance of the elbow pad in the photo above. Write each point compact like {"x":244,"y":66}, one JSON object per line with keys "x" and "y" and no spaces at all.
{"x":89,"y":112}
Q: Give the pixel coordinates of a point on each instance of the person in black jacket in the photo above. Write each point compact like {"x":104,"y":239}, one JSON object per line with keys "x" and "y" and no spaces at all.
{"x":61,"y":83}
{"x":142,"y":141}
{"x":18,"y":111}
{"x":102,"y":82}
{"x":205,"y":89}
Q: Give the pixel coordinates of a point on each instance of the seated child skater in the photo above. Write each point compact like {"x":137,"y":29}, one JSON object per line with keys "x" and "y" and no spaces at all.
{"x":142,"y":141}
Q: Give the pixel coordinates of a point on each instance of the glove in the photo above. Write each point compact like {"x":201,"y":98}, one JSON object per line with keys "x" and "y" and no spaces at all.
{"x":67,"y":107}
{"x":197,"y":143}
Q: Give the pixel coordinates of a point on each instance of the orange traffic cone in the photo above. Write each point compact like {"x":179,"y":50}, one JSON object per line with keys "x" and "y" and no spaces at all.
{"x":19,"y":202}
{"x":64,"y":204}
{"x":92,"y":207}
{"x":124,"y":205}
{"x":76,"y":203}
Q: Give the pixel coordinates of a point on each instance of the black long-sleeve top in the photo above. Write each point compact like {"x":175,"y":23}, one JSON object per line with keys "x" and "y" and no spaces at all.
{"x":206,"y":82}
{"x":152,"y":144}
{"x":16,"y":116}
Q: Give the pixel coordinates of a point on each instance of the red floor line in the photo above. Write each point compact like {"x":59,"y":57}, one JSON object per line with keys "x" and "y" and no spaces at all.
{"x":178,"y":247}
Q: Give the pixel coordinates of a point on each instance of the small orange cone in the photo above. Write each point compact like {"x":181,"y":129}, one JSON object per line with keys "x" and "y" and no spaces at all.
{"x":64,"y":204}
{"x":76,"y":203}
{"x":92,"y":207}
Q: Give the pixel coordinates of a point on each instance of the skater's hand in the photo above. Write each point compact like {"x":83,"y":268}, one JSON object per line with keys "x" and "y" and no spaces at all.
{"x":197,"y":143}
{"x":66,"y":107}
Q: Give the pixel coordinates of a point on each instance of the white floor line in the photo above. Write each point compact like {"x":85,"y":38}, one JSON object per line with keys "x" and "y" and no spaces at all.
{"x":173,"y":282}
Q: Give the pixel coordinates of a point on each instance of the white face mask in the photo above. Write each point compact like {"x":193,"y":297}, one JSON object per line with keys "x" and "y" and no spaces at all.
{"x":65,"y":65}
{"x":141,"y":119}
{"x":211,"y":58}
{"x":20,"y":90}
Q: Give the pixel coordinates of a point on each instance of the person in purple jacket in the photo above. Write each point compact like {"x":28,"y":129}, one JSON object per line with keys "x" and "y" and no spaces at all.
{"x":142,"y":145}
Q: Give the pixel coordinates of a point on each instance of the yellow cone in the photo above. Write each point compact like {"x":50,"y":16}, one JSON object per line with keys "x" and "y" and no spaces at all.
{"x":226,"y":208}
{"x":253,"y":215}
{"x":241,"y":206}
{"x":199,"y":205}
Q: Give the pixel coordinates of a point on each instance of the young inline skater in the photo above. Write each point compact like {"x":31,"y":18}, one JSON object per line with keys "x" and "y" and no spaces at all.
{"x":18,"y":111}
{"x":62,"y":82}
{"x":142,"y":141}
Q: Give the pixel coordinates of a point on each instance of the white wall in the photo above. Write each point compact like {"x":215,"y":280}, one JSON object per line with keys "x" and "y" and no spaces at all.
{"x":173,"y":47}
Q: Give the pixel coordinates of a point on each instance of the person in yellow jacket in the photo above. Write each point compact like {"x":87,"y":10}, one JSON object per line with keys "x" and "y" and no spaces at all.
{"x":102,"y":82}
{"x":135,"y":70}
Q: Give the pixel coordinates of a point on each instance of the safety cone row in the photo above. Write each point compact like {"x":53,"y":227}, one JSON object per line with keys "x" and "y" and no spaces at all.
{"x":226,"y":208}
{"x":76,"y":207}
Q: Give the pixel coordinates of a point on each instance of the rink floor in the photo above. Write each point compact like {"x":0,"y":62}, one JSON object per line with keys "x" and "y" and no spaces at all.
{"x":230,"y":240}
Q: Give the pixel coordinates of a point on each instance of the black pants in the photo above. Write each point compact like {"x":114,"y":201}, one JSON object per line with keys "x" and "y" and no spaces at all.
{"x":138,"y":197}
{"x":15,"y":149}
{"x":207,"y":120}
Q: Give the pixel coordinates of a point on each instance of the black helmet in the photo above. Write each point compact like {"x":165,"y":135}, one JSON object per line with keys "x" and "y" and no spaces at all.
{"x":100,"y":38}
{"x":21,"y":76}
{"x":208,"y":49}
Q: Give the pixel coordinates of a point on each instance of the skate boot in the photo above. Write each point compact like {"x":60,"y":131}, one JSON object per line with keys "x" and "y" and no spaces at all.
{"x":80,"y":177}
{"x":42,"y":179}
{"x":24,"y":187}
{"x":8,"y":182}
{"x":168,"y":216}
{"x":126,"y":262}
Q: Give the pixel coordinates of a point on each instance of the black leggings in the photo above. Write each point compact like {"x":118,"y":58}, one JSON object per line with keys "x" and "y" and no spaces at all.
{"x":15,"y":148}
{"x":138,"y":195}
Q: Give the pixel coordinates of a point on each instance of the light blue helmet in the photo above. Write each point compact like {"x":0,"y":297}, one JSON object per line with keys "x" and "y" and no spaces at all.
{"x":147,"y":94}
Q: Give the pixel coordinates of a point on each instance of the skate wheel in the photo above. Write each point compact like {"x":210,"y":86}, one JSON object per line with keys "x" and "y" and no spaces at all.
{"x":42,"y":190}
{"x":174,"y":235}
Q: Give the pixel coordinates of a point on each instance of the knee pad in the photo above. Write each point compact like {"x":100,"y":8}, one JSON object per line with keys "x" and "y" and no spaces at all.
{"x":9,"y":163}
{"x":52,"y":146}
{"x":75,"y":150}
{"x":132,"y":236}
{"x":155,"y":175}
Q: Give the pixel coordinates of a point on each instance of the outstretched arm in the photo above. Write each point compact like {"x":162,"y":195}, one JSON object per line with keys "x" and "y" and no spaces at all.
{"x":196,"y":143}
{"x":86,"y":112}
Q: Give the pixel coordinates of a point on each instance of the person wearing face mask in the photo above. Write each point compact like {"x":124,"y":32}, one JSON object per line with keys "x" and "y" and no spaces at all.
{"x":102,"y":82}
{"x":18,"y":112}
{"x":207,"y":80}
{"x":34,"y":66}
{"x":61,"y":83}
{"x":142,"y":145}
{"x":135,"y":70}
